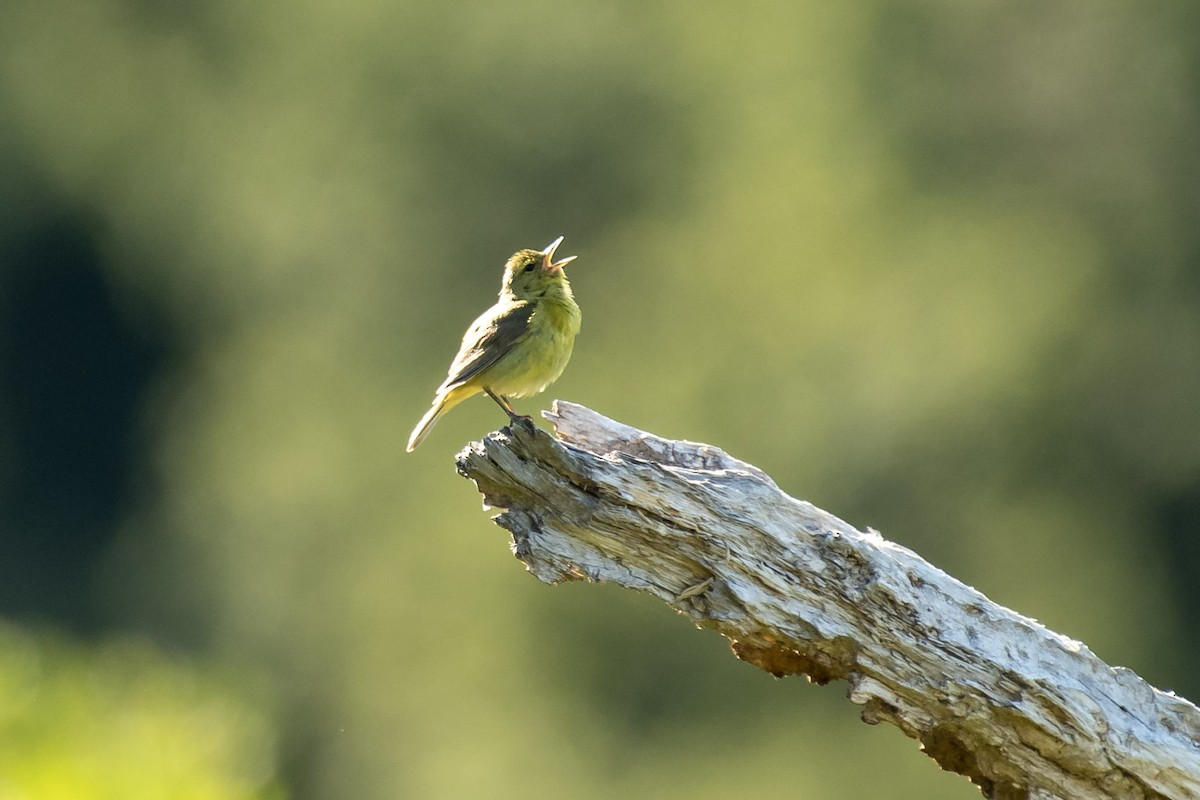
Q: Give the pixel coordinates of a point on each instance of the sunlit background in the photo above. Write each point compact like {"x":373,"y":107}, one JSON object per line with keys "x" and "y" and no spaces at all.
{"x":934,"y":266}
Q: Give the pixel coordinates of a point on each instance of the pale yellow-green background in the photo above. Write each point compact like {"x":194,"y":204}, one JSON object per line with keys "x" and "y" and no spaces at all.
{"x":934,"y":266}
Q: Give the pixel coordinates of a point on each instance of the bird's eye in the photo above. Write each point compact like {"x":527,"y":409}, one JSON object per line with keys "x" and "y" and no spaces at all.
{"x":529,"y":267}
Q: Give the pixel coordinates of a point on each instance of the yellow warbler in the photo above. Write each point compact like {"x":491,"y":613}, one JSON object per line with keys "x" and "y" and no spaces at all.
{"x":517,"y":347}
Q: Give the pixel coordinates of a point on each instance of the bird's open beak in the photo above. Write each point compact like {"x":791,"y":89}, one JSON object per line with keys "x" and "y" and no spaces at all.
{"x":548,"y":263}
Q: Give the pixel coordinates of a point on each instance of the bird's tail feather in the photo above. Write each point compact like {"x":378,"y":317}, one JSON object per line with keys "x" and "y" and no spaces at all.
{"x":441,"y":404}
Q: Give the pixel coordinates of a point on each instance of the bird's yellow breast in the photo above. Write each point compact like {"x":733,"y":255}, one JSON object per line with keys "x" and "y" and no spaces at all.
{"x":543,"y":352}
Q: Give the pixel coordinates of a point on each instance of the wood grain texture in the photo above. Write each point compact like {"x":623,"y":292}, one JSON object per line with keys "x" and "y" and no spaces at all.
{"x":1022,"y":711}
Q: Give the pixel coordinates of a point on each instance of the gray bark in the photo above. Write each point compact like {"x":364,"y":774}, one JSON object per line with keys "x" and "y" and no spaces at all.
{"x":1022,"y":711}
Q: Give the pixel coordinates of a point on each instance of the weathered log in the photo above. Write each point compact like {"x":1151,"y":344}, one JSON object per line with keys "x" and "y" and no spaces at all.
{"x":1022,"y":711}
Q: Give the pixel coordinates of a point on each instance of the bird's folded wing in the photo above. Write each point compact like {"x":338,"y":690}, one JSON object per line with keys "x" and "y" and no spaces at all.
{"x":489,"y":339}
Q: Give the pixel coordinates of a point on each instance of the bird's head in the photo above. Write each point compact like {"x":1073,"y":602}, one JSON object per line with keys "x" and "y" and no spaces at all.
{"x":530,"y":273}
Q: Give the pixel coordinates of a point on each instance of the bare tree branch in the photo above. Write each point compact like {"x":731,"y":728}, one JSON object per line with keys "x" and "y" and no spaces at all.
{"x":1020,"y":710}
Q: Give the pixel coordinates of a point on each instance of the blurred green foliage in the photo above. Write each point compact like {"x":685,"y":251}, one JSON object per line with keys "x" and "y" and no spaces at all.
{"x":935,"y":267}
{"x":122,"y":721}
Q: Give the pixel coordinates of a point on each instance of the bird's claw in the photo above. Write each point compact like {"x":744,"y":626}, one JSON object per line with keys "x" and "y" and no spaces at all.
{"x":522,"y":420}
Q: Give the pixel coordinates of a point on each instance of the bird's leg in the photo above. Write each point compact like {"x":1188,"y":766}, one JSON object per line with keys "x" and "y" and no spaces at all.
{"x":513,"y":416}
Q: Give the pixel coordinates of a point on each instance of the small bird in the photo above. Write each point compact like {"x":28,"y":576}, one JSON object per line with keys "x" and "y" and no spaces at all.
{"x":517,"y":347}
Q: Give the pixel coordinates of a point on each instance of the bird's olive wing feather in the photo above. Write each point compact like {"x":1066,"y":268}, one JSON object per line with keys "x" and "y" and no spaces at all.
{"x":490,"y":338}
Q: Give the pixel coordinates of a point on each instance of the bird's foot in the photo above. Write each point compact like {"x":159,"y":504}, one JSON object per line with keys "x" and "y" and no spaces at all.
{"x":522,"y":420}
{"x":513,"y":417}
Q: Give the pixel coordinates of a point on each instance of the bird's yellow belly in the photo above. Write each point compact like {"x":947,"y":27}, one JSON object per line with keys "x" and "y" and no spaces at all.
{"x":534,"y":364}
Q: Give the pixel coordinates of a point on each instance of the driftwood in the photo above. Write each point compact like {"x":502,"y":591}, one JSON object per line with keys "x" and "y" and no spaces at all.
{"x":1022,"y":711}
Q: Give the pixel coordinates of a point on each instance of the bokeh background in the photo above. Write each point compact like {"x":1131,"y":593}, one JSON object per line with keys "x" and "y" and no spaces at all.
{"x":934,"y":266}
